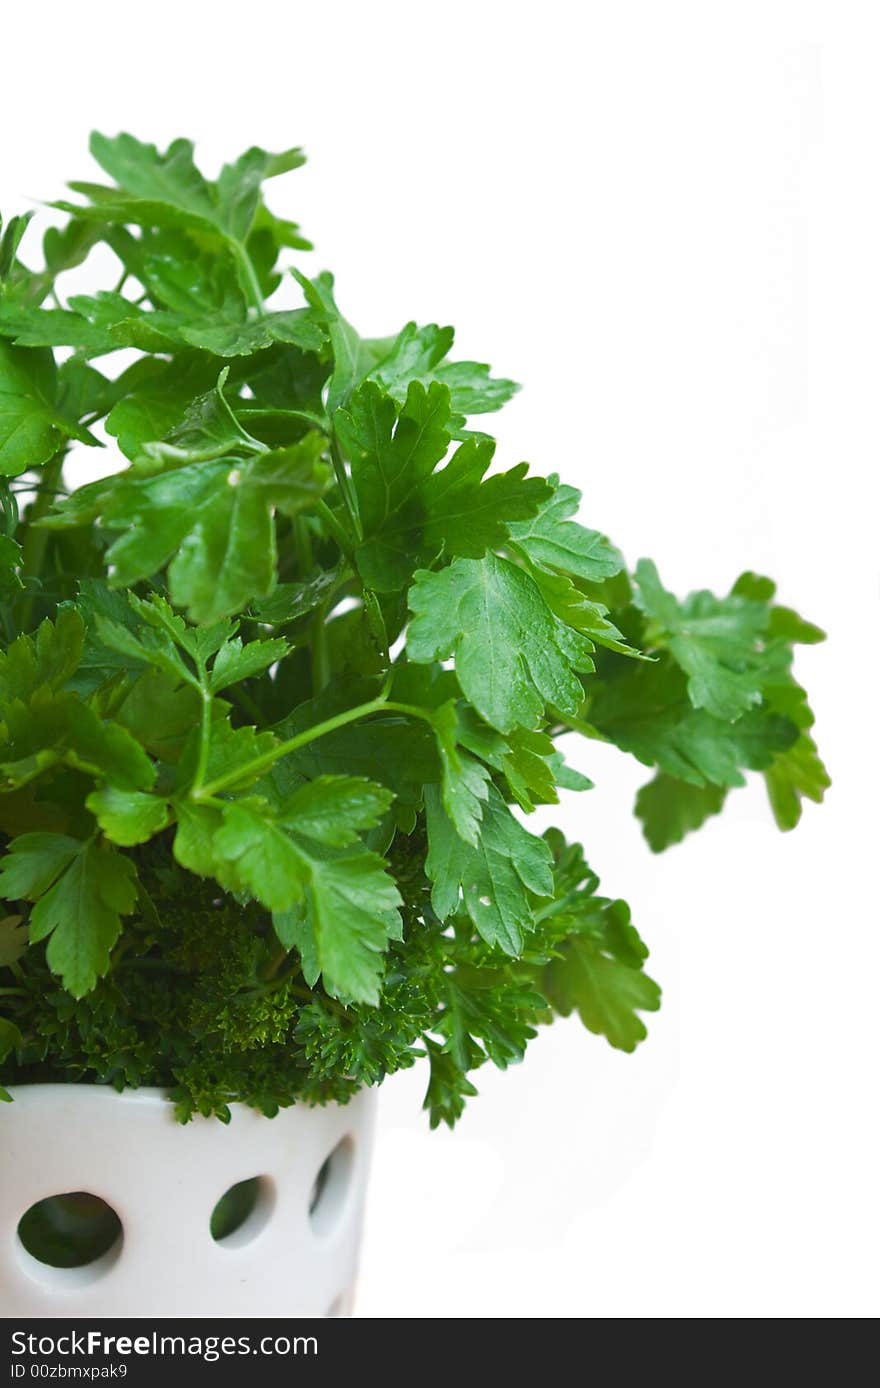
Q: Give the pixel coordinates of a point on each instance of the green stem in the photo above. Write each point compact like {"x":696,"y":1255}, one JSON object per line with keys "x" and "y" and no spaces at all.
{"x":255,"y":413}
{"x":318,"y":644}
{"x":577,"y":725}
{"x":303,"y":541}
{"x":293,"y":744}
{"x":411,"y":711}
{"x":251,"y":283}
{"x":336,"y":529}
{"x":555,"y":908}
{"x":35,"y":541}
{"x":320,"y":661}
{"x":204,"y":740}
{"x":13,"y":992}
{"x":347,"y":490}
{"x":196,"y":681}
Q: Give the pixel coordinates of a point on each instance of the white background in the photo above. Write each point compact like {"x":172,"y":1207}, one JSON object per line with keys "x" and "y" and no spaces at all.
{"x":664,"y":220}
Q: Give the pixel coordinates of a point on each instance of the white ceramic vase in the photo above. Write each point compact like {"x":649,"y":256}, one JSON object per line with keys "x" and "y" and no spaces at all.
{"x":295,"y":1254}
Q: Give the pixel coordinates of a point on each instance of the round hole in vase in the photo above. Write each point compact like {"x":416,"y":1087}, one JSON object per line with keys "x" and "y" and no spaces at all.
{"x":331,"y":1186}
{"x":69,"y":1239}
{"x":242,"y":1212}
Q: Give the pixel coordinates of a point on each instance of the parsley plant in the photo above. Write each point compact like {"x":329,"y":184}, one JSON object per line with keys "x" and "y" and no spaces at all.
{"x":279,"y":691}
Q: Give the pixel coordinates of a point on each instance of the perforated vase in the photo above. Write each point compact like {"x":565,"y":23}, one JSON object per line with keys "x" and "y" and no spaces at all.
{"x":284,"y":1244}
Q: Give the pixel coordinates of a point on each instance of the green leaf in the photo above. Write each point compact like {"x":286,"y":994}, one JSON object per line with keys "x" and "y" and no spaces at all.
{"x":466,"y":513}
{"x":142,"y":645}
{"x":351,"y":356}
{"x":669,"y":809}
{"x":82,"y":915}
{"x":411,"y":356}
{"x":32,"y":428}
{"x":208,"y":430}
{"x":290,"y":479}
{"x":334,"y":810}
{"x":788,"y":625}
{"x":293,"y":930}
{"x":344,"y":924}
{"x":10,"y":241}
{"x":397,"y":752}
{"x":345,"y":906}
{"x":160,"y":713}
{"x":551,"y":540}
{"x":128,"y":817}
{"x":417,"y":354}
{"x":81,"y":892}
{"x":465,"y":780}
{"x":794,"y":775}
{"x":239,"y":186}
{"x":607,"y":993}
{"x":190,"y":275}
{"x":57,"y":327}
{"x":716,"y":641}
{"x":64,"y":248}
{"x":212,"y":522}
{"x":582,"y":614}
{"x":390,"y":456}
{"x":525,"y":758}
{"x":512,"y":656}
{"x":494,"y":877}
{"x":448,"y":1086}
{"x":10,"y":563}
{"x":235,"y":662}
{"x":33,"y":862}
{"x":194,"y":842}
{"x":227,"y":555}
{"x":796,"y":772}
{"x":61,"y":728}
{"x":289,"y":601}
{"x":231,"y":334}
{"x":785,"y":623}
{"x":266,"y":860}
{"x":93,"y":324}
{"x":13,"y":940}
{"x":566,"y":777}
{"x":48,"y":658}
{"x":409,"y":512}
{"x":472,"y":389}
{"x":645,"y":710}
{"x":231,"y":750}
{"x":83,"y":391}
{"x":156,"y":401}
{"x":167,"y":190}
{"x":598,"y":958}
{"x":10,"y":1040}
{"x":139,"y":169}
